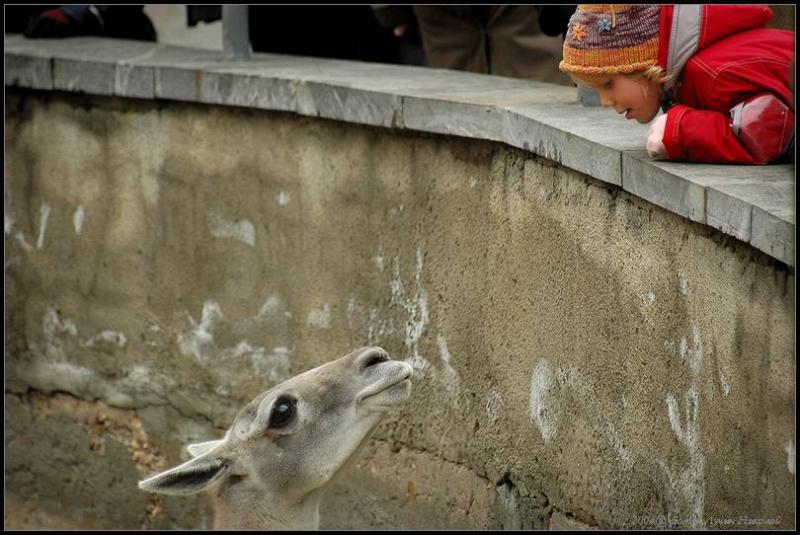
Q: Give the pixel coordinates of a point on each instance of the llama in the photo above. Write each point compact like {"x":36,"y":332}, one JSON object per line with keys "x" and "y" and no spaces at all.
{"x":287,"y":444}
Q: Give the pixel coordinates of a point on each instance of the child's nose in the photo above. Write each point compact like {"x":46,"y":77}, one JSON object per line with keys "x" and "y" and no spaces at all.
{"x":606,"y":100}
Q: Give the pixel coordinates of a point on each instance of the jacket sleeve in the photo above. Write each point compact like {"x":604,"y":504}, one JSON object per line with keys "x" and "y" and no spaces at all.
{"x":757,"y":131}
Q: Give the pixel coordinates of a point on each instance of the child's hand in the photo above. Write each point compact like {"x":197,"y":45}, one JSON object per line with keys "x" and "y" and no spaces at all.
{"x":655,"y":145}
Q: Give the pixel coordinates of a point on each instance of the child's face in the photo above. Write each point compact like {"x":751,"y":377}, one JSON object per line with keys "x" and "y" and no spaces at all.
{"x":636,"y":98}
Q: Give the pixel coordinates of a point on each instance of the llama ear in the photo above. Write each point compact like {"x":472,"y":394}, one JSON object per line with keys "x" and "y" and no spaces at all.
{"x":189,"y":478}
{"x":201,"y":448}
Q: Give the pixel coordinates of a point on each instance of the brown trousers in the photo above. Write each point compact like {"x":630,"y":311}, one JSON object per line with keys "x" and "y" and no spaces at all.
{"x":501,"y":40}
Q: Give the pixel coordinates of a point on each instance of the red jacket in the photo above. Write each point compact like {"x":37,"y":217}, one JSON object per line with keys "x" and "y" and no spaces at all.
{"x":732,"y":86}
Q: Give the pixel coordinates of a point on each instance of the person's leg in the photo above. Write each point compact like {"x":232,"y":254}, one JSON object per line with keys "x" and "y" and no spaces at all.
{"x":519,"y":49}
{"x":127,"y":22}
{"x":453,"y":37}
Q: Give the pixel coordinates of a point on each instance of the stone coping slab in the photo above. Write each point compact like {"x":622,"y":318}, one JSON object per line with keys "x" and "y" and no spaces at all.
{"x":754,"y":204}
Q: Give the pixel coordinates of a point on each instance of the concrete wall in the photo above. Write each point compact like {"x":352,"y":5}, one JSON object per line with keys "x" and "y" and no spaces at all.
{"x":582,"y":355}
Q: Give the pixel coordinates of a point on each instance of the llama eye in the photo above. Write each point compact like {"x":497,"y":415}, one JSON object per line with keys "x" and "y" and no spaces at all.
{"x":282,"y":413}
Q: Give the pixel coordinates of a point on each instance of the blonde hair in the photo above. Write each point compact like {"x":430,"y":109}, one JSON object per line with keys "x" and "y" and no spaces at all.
{"x":655,"y":75}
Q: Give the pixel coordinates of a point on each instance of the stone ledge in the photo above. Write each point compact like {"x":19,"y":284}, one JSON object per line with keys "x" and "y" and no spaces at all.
{"x":752,"y":204}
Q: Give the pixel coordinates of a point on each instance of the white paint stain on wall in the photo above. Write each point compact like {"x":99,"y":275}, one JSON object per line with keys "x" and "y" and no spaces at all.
{"x":200,"y":344}
{"x":243,"y":230}
{"x":449,"y":376}
{"x":788,"y":447}
{"x":20,"y":237}
{"x":724,"y":385}
{"x":137,"y":388}
{"x":276,"y":364}
{"x":416,"y":306}
{"x":77,"y":219}
{"x":686,"y":490}
{"x":106,"y":338}
{"x":56,"y":332}
{"x":69,"y":377}
{"x":353,"y":308}
{"x":615,"y":438}
{"x":377,"y":328}
{"x":508,"y":507}
{"x":550,"y":387}
{"x":241,"y":349}
{"x":691,"y":356}
{"x":543,"y":406}
{"x":282,"y":198}
{"x":9,"y":227}
{"x":320,"y":317}
{"x":683,"y":284}
{"x":494,"y":404}
{"x":53,"y":325}
{"x":49,"y":369}
{"x":382,"y":322}
{"x":379,"y":262}
{"x":44,"y":215}
{"x":200,"y":340}
{"x":270,"y":308}
{"x":139,"y":376}
{"x":674,"y":415}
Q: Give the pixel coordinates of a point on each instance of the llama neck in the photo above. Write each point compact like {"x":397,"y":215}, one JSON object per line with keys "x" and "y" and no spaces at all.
{"x":248,"y":509}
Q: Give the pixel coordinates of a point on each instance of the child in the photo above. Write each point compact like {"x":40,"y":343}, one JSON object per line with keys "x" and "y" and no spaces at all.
{"x":721,"y":77}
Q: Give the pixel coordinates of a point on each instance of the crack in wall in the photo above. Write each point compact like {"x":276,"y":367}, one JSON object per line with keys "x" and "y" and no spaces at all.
{"x":516,"y":505}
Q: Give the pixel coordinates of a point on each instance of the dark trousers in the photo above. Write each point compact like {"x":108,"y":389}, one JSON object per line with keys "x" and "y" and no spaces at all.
{"x":502,"y":40}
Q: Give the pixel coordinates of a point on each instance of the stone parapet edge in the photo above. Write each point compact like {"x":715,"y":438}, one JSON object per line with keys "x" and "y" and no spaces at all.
{"x":751,"y":203}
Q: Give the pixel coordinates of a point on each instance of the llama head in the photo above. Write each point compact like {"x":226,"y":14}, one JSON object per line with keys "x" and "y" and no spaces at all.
{"x":292,"y":439}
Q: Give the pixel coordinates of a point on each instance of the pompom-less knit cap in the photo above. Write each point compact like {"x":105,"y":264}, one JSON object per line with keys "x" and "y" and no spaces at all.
{"x":611,"y":39}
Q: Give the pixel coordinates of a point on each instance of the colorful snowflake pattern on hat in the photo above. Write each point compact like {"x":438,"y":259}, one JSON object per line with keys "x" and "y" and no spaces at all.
{"x":611,"y":39}
{"x":578,"y":31}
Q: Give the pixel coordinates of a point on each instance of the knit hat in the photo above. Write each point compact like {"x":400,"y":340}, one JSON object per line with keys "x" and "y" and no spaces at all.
{"x":611,"y":39}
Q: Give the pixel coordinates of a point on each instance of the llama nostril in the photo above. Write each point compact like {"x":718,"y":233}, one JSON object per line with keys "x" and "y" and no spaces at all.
{"x":375,"y":360}
{"x":410,"y":370}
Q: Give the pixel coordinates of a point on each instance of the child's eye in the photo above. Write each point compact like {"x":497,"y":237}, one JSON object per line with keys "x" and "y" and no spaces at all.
{"x":608,"y":84}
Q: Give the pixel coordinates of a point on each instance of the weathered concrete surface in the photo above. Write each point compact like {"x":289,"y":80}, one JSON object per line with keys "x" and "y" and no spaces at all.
{"x":76,"y":459}
{"x":581,"y":353}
